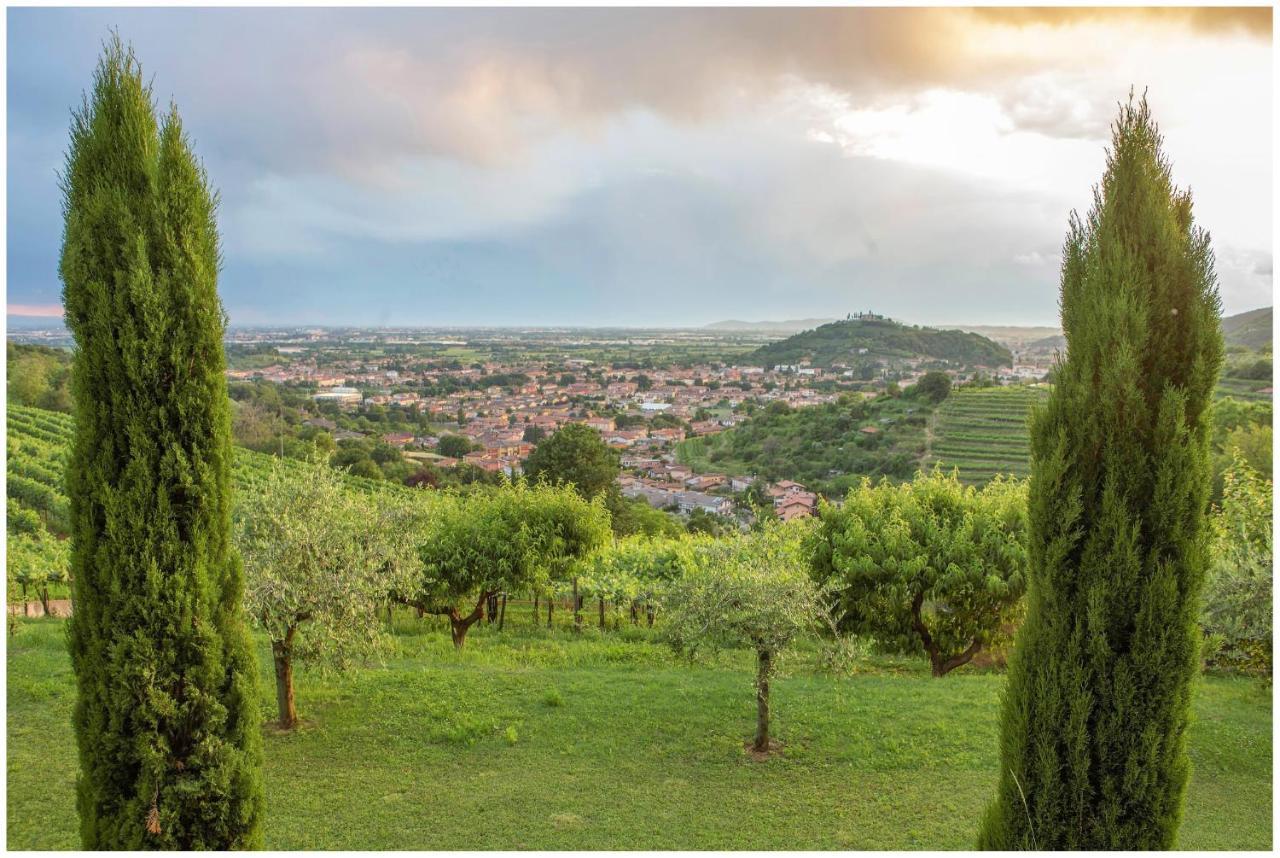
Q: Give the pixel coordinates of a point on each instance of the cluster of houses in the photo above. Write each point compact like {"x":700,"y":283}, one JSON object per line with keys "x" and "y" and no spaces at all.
{"x":544,"y":395}
{"x":667,"y":486}
{"x":792,"y":500}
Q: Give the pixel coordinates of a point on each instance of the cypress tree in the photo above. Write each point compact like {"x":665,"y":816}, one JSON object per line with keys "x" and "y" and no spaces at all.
{"x":1095,"y":714}
{"x":166,"y":716}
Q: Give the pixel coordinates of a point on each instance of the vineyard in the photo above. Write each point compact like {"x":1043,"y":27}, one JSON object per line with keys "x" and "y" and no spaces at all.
{"x":38,"y":522}
{"x":983,"y":432}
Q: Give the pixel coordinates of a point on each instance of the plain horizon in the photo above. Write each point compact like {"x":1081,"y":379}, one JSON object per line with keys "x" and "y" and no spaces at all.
{"x":536,"y":168}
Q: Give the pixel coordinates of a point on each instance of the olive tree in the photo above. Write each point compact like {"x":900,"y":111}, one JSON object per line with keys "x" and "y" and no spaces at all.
{"x":751,"y":590}
{"x":320,"y":556}
{"x":513,"y":537}
{"x":929,"y":565}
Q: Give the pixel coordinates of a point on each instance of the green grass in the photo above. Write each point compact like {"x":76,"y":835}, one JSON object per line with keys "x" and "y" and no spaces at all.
{"x":538,"y":740}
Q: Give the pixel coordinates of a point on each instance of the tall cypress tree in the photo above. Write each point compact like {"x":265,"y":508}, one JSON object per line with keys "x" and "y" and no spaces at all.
{"x":166,"y":717}
{"x":1095,"y":714}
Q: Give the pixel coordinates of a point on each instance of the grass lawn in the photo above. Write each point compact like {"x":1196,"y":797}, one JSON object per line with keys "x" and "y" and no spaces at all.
{"x":540,"y":740}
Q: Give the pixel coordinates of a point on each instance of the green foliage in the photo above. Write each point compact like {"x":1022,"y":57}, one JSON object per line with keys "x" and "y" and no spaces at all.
{"x":631,"y":570}
{"x":1241,"y":428}
{"x":321,"y":558}
{"x":1237,"y":604}
{"x":708,"y":523}
{"x":39,"y":376}
{"x":512,"y":538}
{"x":822,"y":446}
{"x":634,"y":517}
{"x":750,"y":591}
{"x":841,"y":341}
{"x":34,"y":560}
{"x":934,"y":386}
{"x":575,"y":454}
{"x":166,"y":717}
{"x":1094,"y":728}
{"x":454,"y":446}
{"x":929,"y":566}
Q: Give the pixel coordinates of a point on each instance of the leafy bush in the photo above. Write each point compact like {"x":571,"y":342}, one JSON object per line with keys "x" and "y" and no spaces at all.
{"x":930,"y":565}
{"x":1237,"y":605}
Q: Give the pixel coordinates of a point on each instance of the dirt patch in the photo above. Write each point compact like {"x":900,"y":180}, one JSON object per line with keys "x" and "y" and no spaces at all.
{"x":774,"y":750}
{"x":273,"y":728}
{"x":57,"y":608}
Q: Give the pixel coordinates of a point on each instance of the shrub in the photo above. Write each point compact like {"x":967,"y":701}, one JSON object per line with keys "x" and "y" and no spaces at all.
{"x":1237,"y":605}
{"x":929,"y":566}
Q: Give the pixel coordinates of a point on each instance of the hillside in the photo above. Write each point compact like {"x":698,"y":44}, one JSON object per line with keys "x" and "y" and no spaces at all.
{"x":1252,"y":330}
{"x":38,"y":443}
{"x":984,"y":432}
{"x":829,"y":448}
{"x":843,"y":342}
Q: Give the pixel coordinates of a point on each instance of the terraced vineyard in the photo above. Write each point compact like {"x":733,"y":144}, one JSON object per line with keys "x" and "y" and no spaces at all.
{"x":984,"y":432}
{"x":38,"y":443}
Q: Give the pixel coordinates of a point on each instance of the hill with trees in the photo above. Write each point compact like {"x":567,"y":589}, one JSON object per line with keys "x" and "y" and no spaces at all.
{"x":1252,"y":330}
{"x":844,"y":341}
{"x":828,"y":447}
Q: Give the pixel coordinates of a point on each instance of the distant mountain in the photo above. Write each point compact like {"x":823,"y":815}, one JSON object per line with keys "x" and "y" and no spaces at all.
{"x":1251,"y":330}
{"x":844,"y":341}
{"x":1055,"y":343}
{"x":790,"y":326}
{"x":1012,"y":336}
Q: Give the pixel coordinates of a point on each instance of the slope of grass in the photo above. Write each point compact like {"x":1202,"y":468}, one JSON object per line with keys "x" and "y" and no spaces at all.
{"x":538,"y":740}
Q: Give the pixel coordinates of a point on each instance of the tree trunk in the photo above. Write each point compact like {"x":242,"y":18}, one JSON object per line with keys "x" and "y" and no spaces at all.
{"x":764,"y":667}
{"x":635,"y":614}
{"x":601,"y":614}
{"x":44,"y":601}
{"x":535,"y":609}
{"x":648,"y":609}
{"x":26,"y":609}
{"x":940,"y":664}
{"x":502,"y":613}
{"x":549,"y":606}
{"x":458,"y":624}
{"x":577,"y":606}
{"x":282,"y":652}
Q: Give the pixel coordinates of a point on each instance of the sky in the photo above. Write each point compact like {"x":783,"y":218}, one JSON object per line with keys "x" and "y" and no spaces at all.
{"x":655,"y":167}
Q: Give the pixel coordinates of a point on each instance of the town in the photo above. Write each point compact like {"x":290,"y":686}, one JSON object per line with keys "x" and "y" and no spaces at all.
{"x":643,"y":391}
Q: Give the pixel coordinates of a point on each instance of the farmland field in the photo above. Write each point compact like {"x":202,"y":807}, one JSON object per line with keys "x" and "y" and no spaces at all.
{"x":983,"y":432}
{"x":1244,"y":388}
{"x":539,"y":740}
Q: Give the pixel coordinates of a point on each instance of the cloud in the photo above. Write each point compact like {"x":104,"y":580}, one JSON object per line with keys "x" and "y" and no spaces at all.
{"x":1254,"y":20}
{"x":653,"y":164}
{"x":38,"y":310}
